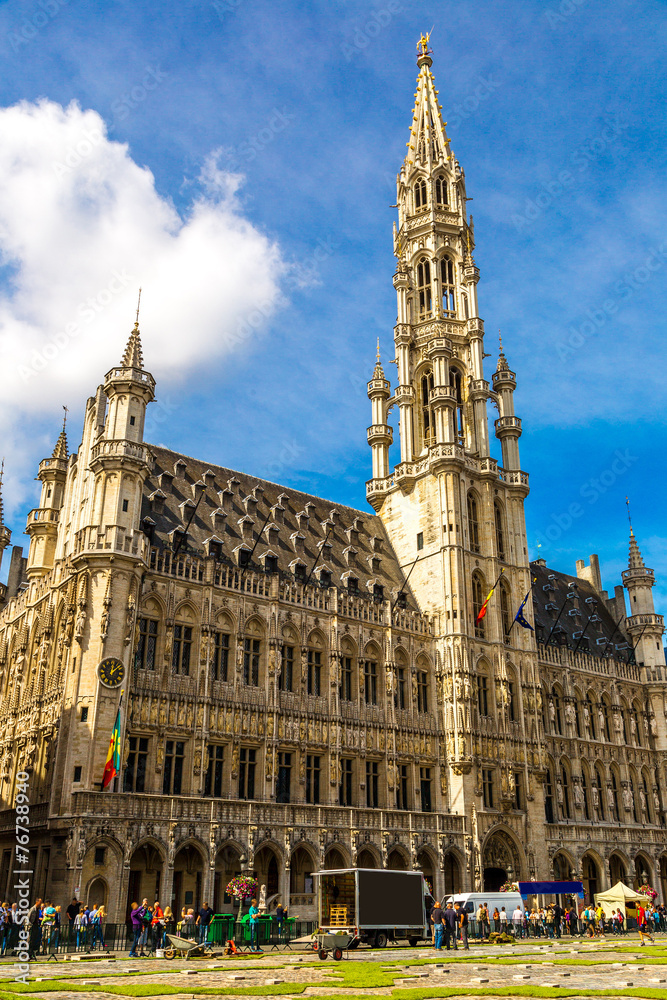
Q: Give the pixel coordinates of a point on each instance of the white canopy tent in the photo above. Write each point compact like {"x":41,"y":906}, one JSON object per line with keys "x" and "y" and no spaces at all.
{"x":618,"y":897}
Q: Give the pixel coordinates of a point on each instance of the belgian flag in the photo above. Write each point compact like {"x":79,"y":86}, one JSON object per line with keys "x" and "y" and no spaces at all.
{"x":112,"y":766}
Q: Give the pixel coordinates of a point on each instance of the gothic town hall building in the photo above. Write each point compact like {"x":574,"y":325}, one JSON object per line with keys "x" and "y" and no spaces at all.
{"x":307,"y":685}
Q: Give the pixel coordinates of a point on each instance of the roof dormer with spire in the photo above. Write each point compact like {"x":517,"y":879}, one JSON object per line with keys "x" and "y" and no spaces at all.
{"x":5,"y":533}
{"x":43,"y":522}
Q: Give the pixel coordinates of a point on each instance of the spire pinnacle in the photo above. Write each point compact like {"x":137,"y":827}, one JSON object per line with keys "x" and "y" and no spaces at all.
{"x":378,"y":371}
{"x":61,"y":450}
{"x":502,"y":360}
{"x":2,"y":473}
{"x":428,"y":142}
{"x":133,"y":357}
{"x":635,"y":560}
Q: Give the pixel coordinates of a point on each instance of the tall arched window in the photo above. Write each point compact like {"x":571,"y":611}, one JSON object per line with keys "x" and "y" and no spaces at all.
{"x":604,"y":720}
{"x":441,"y":199}
{"x":477,"y":602}
{"x":424,"y":288}
{"x":505,"y":611}
{"x":500,"y":531}
{"x":421,"y":195}
{"x":614,"y":796}
{"x":558,"y":715}
{"x":447,"y":284}
{"x":565,"y":779}
{"x":586,"y":792}
{"x":649,"y":802}
{"x":577,"y":713}
{"x":456,"y":382}
{"x":473,"y":522}
{"x":464,"y":302}
{"x":590,"y":717}
{"x":633,"y":791}
{"x":426,"y":387}
{"x":599,"y":784}
{"x":636,"y":718}
{"x":549,"y":797}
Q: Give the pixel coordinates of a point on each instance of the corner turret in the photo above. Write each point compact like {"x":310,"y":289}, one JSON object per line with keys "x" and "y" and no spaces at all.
{"x":42,"y":523}
{"x":508,"y":426}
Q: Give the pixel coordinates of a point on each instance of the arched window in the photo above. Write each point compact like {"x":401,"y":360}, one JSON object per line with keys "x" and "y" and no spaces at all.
{"x":586,"y":792}
{"x":558,"y":716}
{"x":647,"y":798}
{"x":633,"y":791}
{"x":473,"y":522}
{"x":500,"y":532}
{"x":464,"y":301}
{"x":614,"y":796}
{"x":512,"y":698}
{"x":577,"y":713}
{"x":604,"y":720}
{"x":441,"y":199}
{"x":505,"y":611}
{"x":483,"y":694}
{"x":636,"y":718}
{"x":624,"y":720}
{"x":447,"y":284}
{"x":424,"y":288}
{"x":421,"y":195}
{"x":565,"y":781}
{"x":590,"y":717}
{"x":456,"y":382}
{"x":657,"y":799}
{"x":599,"y":784}
{"x":478,"y":597}
{"x":426,"y":388}
{"x":549,"y":797}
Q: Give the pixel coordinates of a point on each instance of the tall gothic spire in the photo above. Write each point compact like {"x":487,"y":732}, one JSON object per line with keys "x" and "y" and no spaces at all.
{"x":428,"y":142}
{"x":133,"y":357}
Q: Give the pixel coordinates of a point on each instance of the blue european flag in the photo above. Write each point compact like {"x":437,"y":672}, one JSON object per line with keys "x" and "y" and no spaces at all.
{"x":519,"y":615}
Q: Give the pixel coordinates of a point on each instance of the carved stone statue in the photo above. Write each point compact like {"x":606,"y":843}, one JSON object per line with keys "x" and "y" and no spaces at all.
{"x":559,"y":793}
{"x":578,"y":794}
{"x":569,"y":713}
{"x":642,"y":800}
{"x":596,"y":797}
{"x":610,"y":799}
{"x":552,"y":710}
{"x":627,"y":798}
{"x":80,"y":625}
{"x":262,"y":899}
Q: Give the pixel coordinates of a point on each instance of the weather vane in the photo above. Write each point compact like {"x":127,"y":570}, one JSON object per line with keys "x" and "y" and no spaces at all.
{"x":422,"y":44}
{"x":66,"y":409}
{"x":378,"y":351}
{"x":136,"y":322}
{"x":627,"y":504}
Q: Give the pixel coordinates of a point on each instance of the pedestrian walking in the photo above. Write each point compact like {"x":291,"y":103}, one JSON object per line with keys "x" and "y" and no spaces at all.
{"x":438,"y":926}
{"x":450,"y":927}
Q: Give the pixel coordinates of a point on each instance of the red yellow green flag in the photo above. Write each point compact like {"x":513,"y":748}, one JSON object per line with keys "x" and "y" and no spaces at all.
{"x":112,"y":766}
{"x":482,"y":610}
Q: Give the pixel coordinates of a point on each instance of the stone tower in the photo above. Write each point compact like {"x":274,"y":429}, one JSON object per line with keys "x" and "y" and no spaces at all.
{"x":646,"y":629}
{"x":454,"y":516}
{"x":107,"y":550}
{"x":42,"y":524}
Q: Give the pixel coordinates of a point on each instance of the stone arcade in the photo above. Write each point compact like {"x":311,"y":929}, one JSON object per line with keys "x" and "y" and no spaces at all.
{"x":292,"y":700}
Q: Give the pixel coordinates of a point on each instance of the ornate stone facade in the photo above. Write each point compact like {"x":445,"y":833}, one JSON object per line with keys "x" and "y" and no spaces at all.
{"x":309,"y":685}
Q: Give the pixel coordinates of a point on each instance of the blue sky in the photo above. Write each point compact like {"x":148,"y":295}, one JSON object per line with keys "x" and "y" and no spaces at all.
{"x":261,"y":147}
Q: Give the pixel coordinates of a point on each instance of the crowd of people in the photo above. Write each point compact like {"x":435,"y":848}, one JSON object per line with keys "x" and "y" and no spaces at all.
{"x":151,"y":924}
{"x":81,"y":924}
{"x":551,"y":921}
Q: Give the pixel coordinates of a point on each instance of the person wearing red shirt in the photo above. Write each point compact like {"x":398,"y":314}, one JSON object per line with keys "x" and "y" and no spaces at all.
{"x":642,"y":925}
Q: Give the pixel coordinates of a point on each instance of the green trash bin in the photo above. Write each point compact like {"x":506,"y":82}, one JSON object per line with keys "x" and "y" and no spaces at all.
{"x":264,"y":923}
{"x":221,"y":928}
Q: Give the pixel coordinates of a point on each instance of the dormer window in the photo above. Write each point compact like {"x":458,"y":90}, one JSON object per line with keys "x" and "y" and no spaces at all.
{"x":424,"y":288}
{"x":352,"y":585}
{"x":378,"y":592}
{"x":441,"y":199}
{"x":244,"y":557}
{"x":300,"y":572}
{"x":421,"y":195}
{"x":447,"y":283}
{"x":325,"y":578}
{"x":271,"y":564}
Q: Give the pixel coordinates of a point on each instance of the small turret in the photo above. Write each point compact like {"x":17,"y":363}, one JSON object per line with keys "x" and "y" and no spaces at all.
{"x":5,"y":533}
{"x":379,"y":434}
{"x":508,"y":426}
{"x":42,"y":523}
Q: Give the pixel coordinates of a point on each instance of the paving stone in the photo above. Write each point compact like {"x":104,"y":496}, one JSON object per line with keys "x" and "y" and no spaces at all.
{"x":520,"y":976}
{"x":479,"y":979}
{"x":237,"y":978}
{"x":656,"y":980}
{"x":273,"y":982}
{"x":188,"y":972}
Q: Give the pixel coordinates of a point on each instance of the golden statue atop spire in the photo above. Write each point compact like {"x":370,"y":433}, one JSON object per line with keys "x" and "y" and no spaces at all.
{"x":378,"y":352}
{"x":422,"y":44}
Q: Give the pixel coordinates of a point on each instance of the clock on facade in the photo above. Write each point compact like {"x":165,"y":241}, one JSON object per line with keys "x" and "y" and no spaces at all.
{"x":111,"y":672}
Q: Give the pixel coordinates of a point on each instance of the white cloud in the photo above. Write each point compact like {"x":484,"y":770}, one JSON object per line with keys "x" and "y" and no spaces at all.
{"x":82,"y":226}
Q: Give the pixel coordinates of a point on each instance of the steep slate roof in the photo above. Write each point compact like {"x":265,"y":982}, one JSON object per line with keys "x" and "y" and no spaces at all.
{"x":182,"y":480}
{"x":588,"y":602}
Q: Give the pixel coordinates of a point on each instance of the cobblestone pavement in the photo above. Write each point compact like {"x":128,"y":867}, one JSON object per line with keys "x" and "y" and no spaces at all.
{"x":568,"y":967}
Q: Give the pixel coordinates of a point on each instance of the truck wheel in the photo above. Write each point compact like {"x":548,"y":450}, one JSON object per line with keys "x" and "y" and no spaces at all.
{"x":322,"y":953}
{"x":353,"y":945}
{"x":413,"y":941}
{"x":380,"y":939}
{"x":337,"y":954}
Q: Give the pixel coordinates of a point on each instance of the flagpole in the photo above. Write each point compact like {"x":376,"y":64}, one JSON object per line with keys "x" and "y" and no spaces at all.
{"x":523,"y":604}
{"x":486,"y":602}
{"x":120,"y":737}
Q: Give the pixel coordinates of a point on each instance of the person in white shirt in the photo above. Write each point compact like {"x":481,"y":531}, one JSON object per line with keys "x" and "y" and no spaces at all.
{"x":503,"y":921}
{"x":517,"y":920}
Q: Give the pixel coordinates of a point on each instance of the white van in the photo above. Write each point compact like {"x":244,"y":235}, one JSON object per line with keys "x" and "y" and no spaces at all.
{"x":470,"y":902}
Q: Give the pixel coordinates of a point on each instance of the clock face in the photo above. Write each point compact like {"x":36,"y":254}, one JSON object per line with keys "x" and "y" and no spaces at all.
{"x":111,"y":672}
